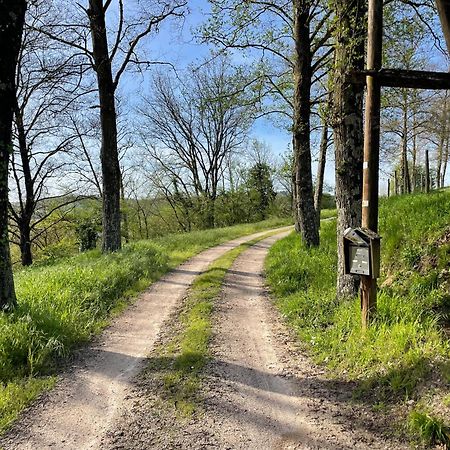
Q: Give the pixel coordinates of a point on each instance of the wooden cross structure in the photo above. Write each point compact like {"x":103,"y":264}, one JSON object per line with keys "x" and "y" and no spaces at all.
{"x":375,"y":77}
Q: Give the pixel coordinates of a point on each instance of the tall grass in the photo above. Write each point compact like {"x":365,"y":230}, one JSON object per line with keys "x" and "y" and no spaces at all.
{"x":62,"y":305}
{"x":406,"y":342}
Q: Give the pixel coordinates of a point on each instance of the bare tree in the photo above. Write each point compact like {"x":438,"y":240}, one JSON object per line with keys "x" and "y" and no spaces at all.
{"x":193,"y":130}
{"x":109,"y":63}
{"x":46,"y":89}
{"x":12,"y":18}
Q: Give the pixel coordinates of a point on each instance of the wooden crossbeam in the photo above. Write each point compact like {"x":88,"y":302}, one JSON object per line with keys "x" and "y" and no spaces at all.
{"x":414,"y":79}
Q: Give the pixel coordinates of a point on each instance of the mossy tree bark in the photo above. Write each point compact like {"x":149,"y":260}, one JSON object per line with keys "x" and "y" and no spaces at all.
{"x":347,"y":122}
{"x":12,"y":17}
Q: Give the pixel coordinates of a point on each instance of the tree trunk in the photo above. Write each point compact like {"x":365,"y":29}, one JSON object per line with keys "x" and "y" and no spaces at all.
{"x":210,"y":206}
{"x":348,"y":128}
{"x":427,"y":172}
{"x":27,"y":205}
{"x":406,"y":182}
{"x":294,"y":197}
{"x":12,"y":17}
{"x":441,"y":147}
{"x":109,"y":153}
{"x":301,"y":127}
{"x":445,"y":162}
{"x":414,"y":153}
{"x":25,"y":243}
{"x":439,"y":161}
{"x":320,"y":173}
{"x":126,"y":227}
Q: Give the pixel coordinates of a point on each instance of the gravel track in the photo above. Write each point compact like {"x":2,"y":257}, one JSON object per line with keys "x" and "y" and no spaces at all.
{"x":259,"y":392}
{"x":89,"y":396}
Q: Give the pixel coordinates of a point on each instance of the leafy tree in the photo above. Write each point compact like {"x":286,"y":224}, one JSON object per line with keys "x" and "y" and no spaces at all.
{"x":262,"y":193}
{"x":87,"y":235}
{"x":290,"y":39}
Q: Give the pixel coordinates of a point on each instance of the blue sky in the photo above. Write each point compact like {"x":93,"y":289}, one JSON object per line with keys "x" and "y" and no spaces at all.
{"x":177,"y":45}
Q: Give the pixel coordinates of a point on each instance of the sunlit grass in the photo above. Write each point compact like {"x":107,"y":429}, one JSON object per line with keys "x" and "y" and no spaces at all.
{"x":406,"y":343}
{"x":62,"y":305}
{"x":428,"y":428}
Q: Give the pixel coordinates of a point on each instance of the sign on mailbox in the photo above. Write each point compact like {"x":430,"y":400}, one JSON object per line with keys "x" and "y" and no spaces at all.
{"x":362,"y":252}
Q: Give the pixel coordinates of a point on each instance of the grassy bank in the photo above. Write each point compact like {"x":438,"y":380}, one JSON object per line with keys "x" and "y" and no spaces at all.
{"x":62,"y":305}
{"x":405,"y":354}
{"x":328,"y":213}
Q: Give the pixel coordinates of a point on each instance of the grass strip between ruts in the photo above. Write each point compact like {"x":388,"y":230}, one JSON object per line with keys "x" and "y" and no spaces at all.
{"x":180,"y":362}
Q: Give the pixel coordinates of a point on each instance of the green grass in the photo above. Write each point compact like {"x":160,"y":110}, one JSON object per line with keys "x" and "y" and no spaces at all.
{"x":180,"y":363}
{"x":328,"y":213}
{"x":428,"y":429}
{"x":406,"y":344}
{"x":14,"y":397}
{"x":62,"y":305}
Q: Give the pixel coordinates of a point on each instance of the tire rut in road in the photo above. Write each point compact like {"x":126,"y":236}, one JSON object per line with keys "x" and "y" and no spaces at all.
{"x":259,"y":390}
{"x":262,"y":391}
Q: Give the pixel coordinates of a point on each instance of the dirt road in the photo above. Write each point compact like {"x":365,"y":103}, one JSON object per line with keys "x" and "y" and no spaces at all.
{"x":85,"y":403}
{"x":260,"y":392}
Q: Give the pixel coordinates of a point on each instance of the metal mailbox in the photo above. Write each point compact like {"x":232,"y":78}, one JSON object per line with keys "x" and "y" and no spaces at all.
{"x":362,"y":252}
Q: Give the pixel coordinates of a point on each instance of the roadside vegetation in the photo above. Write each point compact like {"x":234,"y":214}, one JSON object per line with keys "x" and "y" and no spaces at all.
{"x":63,"y":303}
{"x":328,"y":213}
{"x":402,"y":361}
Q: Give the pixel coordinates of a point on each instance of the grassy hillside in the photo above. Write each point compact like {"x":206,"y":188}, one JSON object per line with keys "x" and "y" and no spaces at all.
{"x":403,"y":359}
{"x":61,"y":305}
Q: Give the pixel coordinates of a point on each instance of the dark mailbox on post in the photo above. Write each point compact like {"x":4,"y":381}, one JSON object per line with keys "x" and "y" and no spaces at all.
{"x":362,"y":252}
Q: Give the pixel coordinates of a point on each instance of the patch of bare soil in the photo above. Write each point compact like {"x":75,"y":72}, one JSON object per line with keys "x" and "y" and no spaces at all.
{"x":259,"y":392}
{"x":89,"y":396}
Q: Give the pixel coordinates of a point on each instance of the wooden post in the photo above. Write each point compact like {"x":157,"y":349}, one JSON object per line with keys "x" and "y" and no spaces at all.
{"x":427,"y":172}
{"x":371,"y":147}
{"x":443,"y":7}
{"x":389,"y":188}
{"x":395,"y":182}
